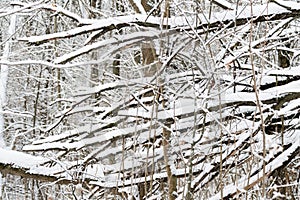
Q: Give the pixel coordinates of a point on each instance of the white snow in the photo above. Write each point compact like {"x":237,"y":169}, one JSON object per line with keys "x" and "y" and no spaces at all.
{"x":19,"y":159}
{"x":54,"y":145}
{"x":35,"y":165}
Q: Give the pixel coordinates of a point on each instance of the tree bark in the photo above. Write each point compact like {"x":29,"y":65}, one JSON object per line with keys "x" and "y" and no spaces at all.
{"x":3,"y":84}
{"x":4,"y":77}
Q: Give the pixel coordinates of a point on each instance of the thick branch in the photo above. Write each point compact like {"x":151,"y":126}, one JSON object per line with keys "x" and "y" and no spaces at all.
{"x":29,"y":166}
{"x":266,"y":12}
{"x":24,"y":172}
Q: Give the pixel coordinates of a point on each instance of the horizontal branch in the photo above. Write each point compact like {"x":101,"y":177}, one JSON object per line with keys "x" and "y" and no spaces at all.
{"x":25,"y":173}
{"x":266,"y":12}
{"x":173,"y":25}
{"x":121,"y":42}
{"x":29,"y":166}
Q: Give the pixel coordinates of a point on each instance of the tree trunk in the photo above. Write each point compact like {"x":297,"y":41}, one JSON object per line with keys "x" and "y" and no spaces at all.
{"x":4,"y":77}
{"x":148,"y":58}
{"x":3,"y":83}
{"x":284,"y":58}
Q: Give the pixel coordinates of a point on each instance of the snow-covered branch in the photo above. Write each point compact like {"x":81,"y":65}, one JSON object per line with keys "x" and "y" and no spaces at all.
{"x":266,"y":12}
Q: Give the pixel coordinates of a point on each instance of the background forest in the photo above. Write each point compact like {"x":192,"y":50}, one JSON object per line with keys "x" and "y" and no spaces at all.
{"x":149,"y":99}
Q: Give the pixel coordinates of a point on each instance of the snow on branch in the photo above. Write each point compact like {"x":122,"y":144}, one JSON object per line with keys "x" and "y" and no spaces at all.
{"x":17,"y":10}
{"x":51,"y":7}
{"x":223,"y":4}
{"x":101,"y":24}
{"x":290,"y":5}
{"x":37,"y":167}
{"x":87,"y":141}
{"x":120,"y":41}
{"x":26,"y":165}
{"x":265,"y":12}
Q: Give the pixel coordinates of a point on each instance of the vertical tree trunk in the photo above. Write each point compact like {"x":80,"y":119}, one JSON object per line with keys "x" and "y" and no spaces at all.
{"x":116,"y":71}
{"x":116,"y":65}
{"x":172,"y":180}
{"x":36,"y":102}
{"x":4,"y":76}
{"x":55,"y":29}
{"x":3,"y":83}
{"x":148,"y":58}
{"x":284,"y":57}
{"x":94,"y":74}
